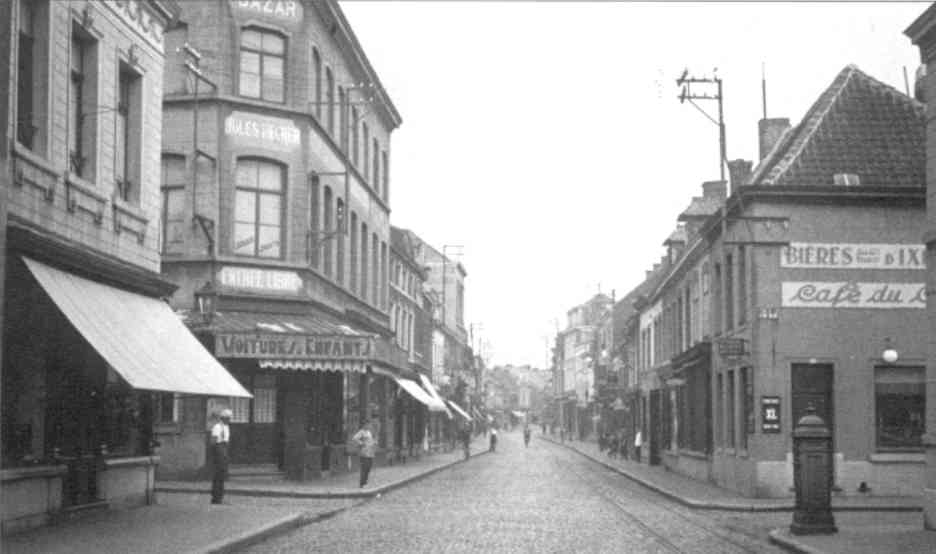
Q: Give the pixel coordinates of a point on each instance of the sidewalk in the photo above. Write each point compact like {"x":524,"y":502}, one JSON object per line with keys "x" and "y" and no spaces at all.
{"x":382,"y":479}
{"x":184,"y":521}
{"x":906,"y":537}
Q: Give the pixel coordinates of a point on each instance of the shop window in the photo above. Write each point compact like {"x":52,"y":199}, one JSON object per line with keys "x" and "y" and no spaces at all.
{"x":127,"y":135}
{"x":32,"y":83}
{"x":240,"y":409}
{"x":259,"y":208}
{"x":317,"y":84}
{"x":173,"y":206}
{"x":264,"y":405}
{"x":262,"y":65}
{"x":83,"y":101}
{"x":900,"y":407}
{"x":167,"y":407}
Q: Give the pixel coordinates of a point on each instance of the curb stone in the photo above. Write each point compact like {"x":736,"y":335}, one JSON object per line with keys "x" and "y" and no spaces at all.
{"x":705,"y":505}
{"x":779,"y":538}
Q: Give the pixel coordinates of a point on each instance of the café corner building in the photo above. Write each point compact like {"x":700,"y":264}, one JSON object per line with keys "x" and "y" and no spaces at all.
{"x":819,"y":298}
{"x":91,"y":350}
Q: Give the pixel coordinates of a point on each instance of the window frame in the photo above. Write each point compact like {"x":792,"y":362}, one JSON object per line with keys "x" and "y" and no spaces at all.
{"x":920,"y":369}
{"x":262,"y":55}
{"x":258,"y":193}
{"x":166,"y":188}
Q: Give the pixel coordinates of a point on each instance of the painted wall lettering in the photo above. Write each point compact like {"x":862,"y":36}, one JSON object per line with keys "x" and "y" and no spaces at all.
{"x":267,"y":280}
{"x":272,"y":133}
{"x":852,"y":294}
{"x":286,"y":10}
{"x":853,"y":256}
{"x":292,"y":347}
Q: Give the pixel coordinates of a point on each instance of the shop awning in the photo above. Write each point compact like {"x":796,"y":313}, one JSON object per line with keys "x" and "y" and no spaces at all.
{"x":427,"y":384}
{"x":459,"y":410}
{"x":417,"y":392}
{"x":140,"y":337}
{"x":350,"y":366}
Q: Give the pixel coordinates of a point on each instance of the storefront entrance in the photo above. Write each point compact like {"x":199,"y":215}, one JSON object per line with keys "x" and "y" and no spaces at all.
{"x":656,"y":426}
{"x":257,"y":423}
{"x":812,"y":385}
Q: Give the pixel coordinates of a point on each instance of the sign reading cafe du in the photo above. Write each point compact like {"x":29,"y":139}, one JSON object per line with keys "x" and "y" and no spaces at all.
{"x":851,"y":294}
{"x":292,"y":347}
{"x":853,"y":256}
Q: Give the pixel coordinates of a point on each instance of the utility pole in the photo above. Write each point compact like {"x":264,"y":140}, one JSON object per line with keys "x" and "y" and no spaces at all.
{"x":686,"y":81}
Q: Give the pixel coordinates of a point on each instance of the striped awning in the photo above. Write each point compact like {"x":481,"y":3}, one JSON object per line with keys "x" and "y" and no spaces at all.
{"x":350,"y":366}
{"x":140,"y":337}
{"x":458,"y":409}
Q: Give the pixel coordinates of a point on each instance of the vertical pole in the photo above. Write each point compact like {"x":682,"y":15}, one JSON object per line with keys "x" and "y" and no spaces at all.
{"x":721,"y":131}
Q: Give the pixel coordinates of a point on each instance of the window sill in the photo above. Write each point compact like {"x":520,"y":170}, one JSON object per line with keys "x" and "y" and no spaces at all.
{"x":898,"y":458}
{"x":80,"y":195}
{"x":129,"y":218}
{"x":35,"y":158}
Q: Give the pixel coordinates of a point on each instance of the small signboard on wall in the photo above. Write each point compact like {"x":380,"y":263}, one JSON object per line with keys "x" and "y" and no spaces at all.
{"x":770,"y":414}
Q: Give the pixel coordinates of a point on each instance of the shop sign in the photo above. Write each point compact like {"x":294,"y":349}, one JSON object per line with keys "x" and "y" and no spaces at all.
{"x":853,"y":256}
{"x":262,"y":280}
{"x":731,"y":347}
{"x":292,"y":347}
{"x":770,"y":414}
{"x":852,"y":294}
{"x":289,"y":11}
{"x":272,"y":133}
{"x":137,"y":17}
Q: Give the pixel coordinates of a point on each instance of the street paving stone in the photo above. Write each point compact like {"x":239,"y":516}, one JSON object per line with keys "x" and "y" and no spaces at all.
{"x":543,"y":498}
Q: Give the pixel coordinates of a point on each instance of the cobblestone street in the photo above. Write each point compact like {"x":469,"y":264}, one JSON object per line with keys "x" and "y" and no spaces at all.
{"x":538,"y":499}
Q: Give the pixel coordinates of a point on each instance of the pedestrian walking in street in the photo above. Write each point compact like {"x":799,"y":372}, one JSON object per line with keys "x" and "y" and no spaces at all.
{"x":465,"y":436}
{"x":638,"y":442}
{"x":220,"y":441}
{"x":366,"y":445}
{"x":526,"y":436}
{"x":613,"y":446}
{"x":493,"y":444}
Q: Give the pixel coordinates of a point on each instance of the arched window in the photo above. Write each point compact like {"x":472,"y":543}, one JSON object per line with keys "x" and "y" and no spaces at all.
{"x":262,"y":64}
{"x":258,"y":211}
{"x":354,"y":253}
{"x":173,"y":206}
{"x":364,"y":264}
{"x":317,"y":85}
{"x":339,"y":240}
{"x":330,"y":91}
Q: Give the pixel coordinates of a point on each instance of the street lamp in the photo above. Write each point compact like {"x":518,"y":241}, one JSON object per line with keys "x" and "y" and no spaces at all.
{"x":889,"y":354}
{"x":206,"y":300}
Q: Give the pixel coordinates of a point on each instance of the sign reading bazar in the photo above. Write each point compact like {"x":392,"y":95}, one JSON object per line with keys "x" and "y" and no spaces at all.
{"x":853,"y":256}
{"x":292,"y":347}
{"x":852,"y":294}
{"x":289,"y":11}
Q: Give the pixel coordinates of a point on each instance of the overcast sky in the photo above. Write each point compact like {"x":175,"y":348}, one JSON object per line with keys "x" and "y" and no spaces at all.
{"x":548,"y":140}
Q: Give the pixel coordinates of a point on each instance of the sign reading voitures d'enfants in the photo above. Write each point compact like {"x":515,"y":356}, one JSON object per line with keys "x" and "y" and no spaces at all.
{"x":260,"y":280}
{"x":287,"y":11}
{"x":853,"y":256}
{"x":292,"y":347}
{"x":852,"y":294}
{"x":272,"y":133}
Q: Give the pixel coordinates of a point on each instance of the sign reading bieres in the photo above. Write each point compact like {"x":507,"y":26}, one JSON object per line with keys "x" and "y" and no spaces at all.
{"x":292,"y":347}
{"x":853,"y":256}
{"x":852,"y":294}
{"x":273,"y":133}
{"x":284,"y":10}
{"x":260,"y":280}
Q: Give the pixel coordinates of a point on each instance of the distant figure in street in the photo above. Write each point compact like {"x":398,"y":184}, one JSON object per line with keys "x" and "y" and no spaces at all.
{"x":614,"y":445}
{"x":220,"y":441}
{"x":493,"y":445}
{"x":526,"y":436}
{"x":367,"y":446}
{"x":602,"y":442}
{"x":638,"y":442}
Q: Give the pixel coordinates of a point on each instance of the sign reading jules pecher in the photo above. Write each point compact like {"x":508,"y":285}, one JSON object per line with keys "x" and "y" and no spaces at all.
{"x":292,"y":347}
{"x":853,"y":256}
{"x":273,"y":133}
{"x":852,"y":294}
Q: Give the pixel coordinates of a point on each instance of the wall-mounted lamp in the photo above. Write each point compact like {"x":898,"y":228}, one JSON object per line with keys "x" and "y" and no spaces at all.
{"x":889,"y":354}
{"x":206,"y":300}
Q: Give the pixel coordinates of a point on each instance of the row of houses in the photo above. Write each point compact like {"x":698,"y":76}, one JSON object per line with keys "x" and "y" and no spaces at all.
{"x":797,"y":284}
{"x":195,"y":216}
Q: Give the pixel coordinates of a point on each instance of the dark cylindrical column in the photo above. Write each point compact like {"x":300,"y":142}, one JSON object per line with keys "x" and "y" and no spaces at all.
{"x":812,"y":476}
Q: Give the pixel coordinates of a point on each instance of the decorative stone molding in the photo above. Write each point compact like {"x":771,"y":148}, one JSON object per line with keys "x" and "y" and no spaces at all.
{"x":81,"y":196}
{"x":130,"y":219}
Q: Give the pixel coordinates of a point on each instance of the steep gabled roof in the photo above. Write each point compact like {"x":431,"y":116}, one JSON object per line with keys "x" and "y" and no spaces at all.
{"x":679,"y":234}
{"x":699,"y":208}
{"x":858,"y":125}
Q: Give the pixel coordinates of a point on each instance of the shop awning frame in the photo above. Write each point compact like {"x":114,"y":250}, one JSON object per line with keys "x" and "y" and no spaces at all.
{"x":458,"y":409}
{"x":140,"y":337}
{"x":420,"y":394}
{"x":427,"y":384}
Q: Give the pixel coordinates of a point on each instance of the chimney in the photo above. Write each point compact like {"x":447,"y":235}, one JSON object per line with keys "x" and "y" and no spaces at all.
{"x":715,"y":190}
{"x":919,"y":84}
{"x":769,"y":132}
{"x":739,"y":171}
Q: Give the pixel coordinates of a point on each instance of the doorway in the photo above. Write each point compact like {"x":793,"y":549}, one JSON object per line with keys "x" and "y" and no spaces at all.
{"x":656,"y":426}
{"x":812,"y":385}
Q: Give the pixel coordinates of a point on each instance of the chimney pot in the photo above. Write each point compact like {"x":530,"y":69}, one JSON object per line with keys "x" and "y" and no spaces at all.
{"x":769,"y":132}
{"x":715,"y":190}
{"x":739,"y":171}
{"x":919,"y":84}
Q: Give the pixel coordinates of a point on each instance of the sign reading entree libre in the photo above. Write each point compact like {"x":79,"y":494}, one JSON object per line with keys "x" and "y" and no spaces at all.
{"x":292,"y":347}
{"x":852,"y":294}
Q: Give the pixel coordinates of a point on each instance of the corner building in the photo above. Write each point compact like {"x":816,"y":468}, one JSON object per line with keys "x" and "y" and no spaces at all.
{"x":276,"y":210}
{"x":93,"y":356}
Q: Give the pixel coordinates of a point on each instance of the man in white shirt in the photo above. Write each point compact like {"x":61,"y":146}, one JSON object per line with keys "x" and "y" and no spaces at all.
{"x":220,"y":440}
{"x":367,"y":447}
